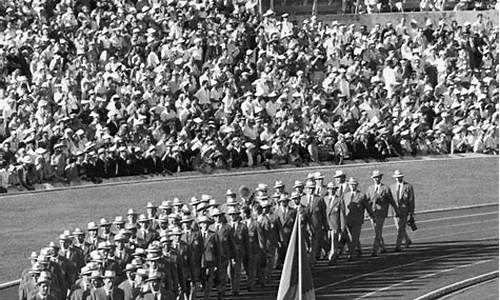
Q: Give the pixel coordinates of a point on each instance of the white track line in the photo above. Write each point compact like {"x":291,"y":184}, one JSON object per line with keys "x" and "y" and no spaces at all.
{"x":458,"y":286}
{"x":388,"y":269}
{"x":421,"y":277}
{"x":436,"y":227}
{"x":250,"y":172}
{"x":412,"y":263}
{"x":442,"y":219}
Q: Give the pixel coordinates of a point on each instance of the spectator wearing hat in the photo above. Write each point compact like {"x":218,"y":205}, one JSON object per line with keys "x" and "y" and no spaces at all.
{"x":380,"y":197}
{"x":404,"y":196}
{"x":355,"y":204}
{"x":109,"y":289}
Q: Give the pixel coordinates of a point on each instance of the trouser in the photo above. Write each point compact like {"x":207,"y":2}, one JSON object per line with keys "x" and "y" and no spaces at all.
{"x":261,"y":267}
{"x":378,"y":241}
{"x":234,"y":271}
{"x":334,"y":244}
{"x":282,"y":251}
{"x":207,"y":281}
{"x":317,"y":243}
{"x":222,"y":276}
{"x":270,"y":260}
{"x":401,"y":227}
{"x":251,"y":268}
{"x":354,"y":243}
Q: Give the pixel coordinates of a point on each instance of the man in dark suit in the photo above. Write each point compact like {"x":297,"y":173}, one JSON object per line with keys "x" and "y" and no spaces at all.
{"x":255,"y":244}
{"x":355,"y":203}
{"x":380,"y":197}
{"x":128,"y":286}
{"x":226,"y":242}
{"x":319,"y":224}
{"x":404,"y":195}
{"x":275,"y":238}
{"x":194,"y":241}
{"x":108,"y":291}
{"x":145,"y":232}
{"x":180,"y":252}
{"x":210,"y":257}
{"x":287,"y":217}
{"x":263,"y":227}
{"x":156,"y":292}
{"x":333,"y":215}
{"x":240,"y":238}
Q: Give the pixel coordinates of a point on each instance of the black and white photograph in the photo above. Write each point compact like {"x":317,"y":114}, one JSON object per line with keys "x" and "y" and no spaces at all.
{"x":249,"y":149}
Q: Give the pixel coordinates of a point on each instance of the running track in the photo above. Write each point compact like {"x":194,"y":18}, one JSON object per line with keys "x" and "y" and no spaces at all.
{"x":448,"y":247}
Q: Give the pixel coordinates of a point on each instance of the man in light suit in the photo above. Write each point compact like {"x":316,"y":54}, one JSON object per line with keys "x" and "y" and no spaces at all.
{"x":380,"y":197}
{"x":354,"y":203}
{"x":333,"y":216}
{"x":404,"y":195}
{"x":341,"y":182}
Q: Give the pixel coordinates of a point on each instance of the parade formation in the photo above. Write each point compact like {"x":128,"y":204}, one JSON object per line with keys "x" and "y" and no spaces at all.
{"x":193,"y":250}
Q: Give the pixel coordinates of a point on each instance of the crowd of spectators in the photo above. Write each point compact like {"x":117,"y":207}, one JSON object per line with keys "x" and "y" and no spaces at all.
{"x":99,"y":89}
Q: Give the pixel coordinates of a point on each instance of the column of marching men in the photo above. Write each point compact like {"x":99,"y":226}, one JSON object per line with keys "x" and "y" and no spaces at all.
{"x":181,"y":251}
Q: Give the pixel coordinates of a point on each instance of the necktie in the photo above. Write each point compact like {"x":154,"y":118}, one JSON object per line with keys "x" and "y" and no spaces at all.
{"x":234,"y":226}
{"x":399,"y":191}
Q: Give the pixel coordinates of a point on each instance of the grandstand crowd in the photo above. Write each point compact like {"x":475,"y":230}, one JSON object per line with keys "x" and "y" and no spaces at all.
{"x":182,"y":250}
{"x":99,"y":89}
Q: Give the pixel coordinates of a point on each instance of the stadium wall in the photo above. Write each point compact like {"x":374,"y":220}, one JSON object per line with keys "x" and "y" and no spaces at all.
{"x":383,"y":18}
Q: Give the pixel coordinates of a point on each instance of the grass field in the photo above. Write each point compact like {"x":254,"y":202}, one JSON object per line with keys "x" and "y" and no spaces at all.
{"x":28,"y":222}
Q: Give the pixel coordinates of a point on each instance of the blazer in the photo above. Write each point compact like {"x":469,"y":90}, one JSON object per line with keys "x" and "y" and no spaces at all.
{"x":287,"y":220}
{"x":240,"y":238}
{"x":211,"y":251}
{"x":380,"y":200}
{"x":129,"y":292}
{"x":100,"y":294}
{"x":80,"y":294}
{"x":226,"y":242}
{"x":194,"y":241}
{"x":354,"y":207}
{"x":256,"y":240}
{"x":317,"y":212}
{"x":405,"y":201}
{"x":274,"y":230}
{"x":165,"y":295}
{"x":334,"y":211}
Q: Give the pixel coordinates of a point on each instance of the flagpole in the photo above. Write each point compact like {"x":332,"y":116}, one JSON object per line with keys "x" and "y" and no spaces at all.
{"x":299,"y":244}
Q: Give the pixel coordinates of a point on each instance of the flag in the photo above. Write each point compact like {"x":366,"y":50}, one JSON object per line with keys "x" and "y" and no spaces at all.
{"x":296,"y":278}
